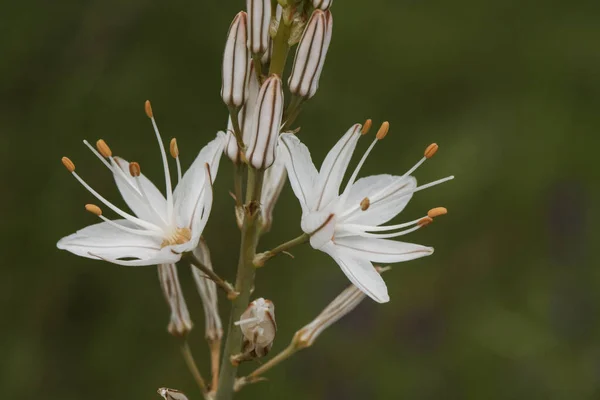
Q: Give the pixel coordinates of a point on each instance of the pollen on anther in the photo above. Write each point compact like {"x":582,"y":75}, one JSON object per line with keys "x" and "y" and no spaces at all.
{"x":366,"y":127}
{"x":66,"y":161}
{"x":431,"y":150}
{"x":148,"y":108}
{"x":436,"y":212}
{"x":94,"y":209}
{"x":383,"y":130}
{"x":365,"y":203}
{"x":174,"y":148}
{"x":103,"y":148}
{"x":134,"y":169}
{"x":425,"y":221}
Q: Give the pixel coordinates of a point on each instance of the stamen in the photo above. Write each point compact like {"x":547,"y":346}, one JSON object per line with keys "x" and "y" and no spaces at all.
{"x":135,"y":169}
{"x":246,"y":321}
{"x":430,"y":184}
{"x":148,"y":109}
{"x":174,"y":149}
{"x":425,"y":221}
{"x":94,"y":209}
{"x":369,"y":228}
{"x":365,"y":203}
{"x":163,"y":153}
{"x":103,"y":148}
{"x":98,"y":155}
{"x":131,"y":230}
{"x":383,"y":130}
{"x":431,"y":150}
{"x":388,"y":235}
{"x":66,"y":161}
{"x":366,"y":126}
{"x":137,"y":221}
{"x":436,"y":212}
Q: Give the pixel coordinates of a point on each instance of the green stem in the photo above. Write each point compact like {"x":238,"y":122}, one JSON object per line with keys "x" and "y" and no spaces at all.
{"x":292,"y":112}
{"x":257,"y":59}
{"x":237,"y":131}
{"x":189,"y":360}
{"x":212,"y":275}
{"x":280,"y":47}
{"x":261,"y":258}
{"x":243,"y":285}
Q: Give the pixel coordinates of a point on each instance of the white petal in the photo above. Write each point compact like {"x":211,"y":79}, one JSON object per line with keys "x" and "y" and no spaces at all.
{"x":189,"y":193}
{"x":104,"y":241}
{"x":274,"y":180}
{"x":360,"y":272}
{"x":300,"y":168}
{"x":158,"y":204}
{"x":334,"y":168}
{"x":382,"y":250}
{"x":321,"y":227}
{"x":385,"y":193}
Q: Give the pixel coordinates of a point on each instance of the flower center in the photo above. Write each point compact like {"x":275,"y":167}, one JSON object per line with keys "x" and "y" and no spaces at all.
{"x":180,"y":236}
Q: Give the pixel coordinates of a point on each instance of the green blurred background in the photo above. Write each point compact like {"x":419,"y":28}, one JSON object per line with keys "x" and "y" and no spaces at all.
{"x":507,"y":306}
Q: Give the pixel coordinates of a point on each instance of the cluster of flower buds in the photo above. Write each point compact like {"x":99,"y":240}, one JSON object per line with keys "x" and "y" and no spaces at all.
{"x":180,"y":324}
{"x":258,"y":327}
{"x":310,"y":54}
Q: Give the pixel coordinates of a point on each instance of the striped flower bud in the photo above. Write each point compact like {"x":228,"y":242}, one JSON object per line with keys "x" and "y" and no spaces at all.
{"x":322,"y":4}
{"x":259,"y":14}
{"x":180,"y":324}
{"x":245,"y":116}
{"x":235,"y":63}
{"x":258,"y":326}
{"x":265,"y":124}
{"x":310,"y":54}
{"x":208,"y":293}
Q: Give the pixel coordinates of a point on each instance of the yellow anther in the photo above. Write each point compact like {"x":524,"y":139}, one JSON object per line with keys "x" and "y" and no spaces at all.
{"x":174,"y":148}
{"x":436,"y":212}
{"x":94,"y":209}
{"x":383,"y":130}
{"x":134,"y":169}
{"x":366,"y":127}
{"x":103,"y":148}
{"x":431,"y":150}
{"x":425,"y":221}
{"x":365,"y":203}
{"x":68,"y":164}
{"x":148,"y":108}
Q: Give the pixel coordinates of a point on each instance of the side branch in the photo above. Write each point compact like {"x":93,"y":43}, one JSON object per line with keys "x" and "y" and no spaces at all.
{"x":260,"y":259}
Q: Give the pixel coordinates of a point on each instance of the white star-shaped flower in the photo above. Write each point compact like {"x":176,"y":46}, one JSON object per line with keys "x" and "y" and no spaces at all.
{"x":347,"y":225}
{"x":161,"y":229}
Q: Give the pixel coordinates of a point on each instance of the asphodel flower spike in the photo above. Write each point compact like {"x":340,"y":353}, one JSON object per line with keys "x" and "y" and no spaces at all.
{"x":346,"y":225}
{"x":162,"y":228}
{"x":181,"y":323}
{"x":235,"y":63}
{"x":259,"y":20}
{"x":265,"y":124}
{"x":322,"y":4}
{"x":310,"y":54}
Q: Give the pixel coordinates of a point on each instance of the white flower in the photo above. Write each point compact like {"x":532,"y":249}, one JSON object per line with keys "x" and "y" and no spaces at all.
{"x":343,"y":225}
{"x":161,"y":229}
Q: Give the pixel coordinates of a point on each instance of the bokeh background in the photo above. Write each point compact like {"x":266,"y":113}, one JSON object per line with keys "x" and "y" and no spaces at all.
{"x":505,"y":309}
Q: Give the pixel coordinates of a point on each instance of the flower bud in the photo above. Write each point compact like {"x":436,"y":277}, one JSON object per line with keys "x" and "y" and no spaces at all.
{"x":180,"y":324}
{"x":208,"y":293}
{"x":273,"y":183}
{"x":322,"y":4}
{"x":171,"y":394}
{"x":339,"y":307}
{"x":245,"y":116}
{"x":265,"y":124}
{"x":235,"y":63}
{"x":310,"y":54}
{"x":258,"y":326}
{"x":259,"y":20}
